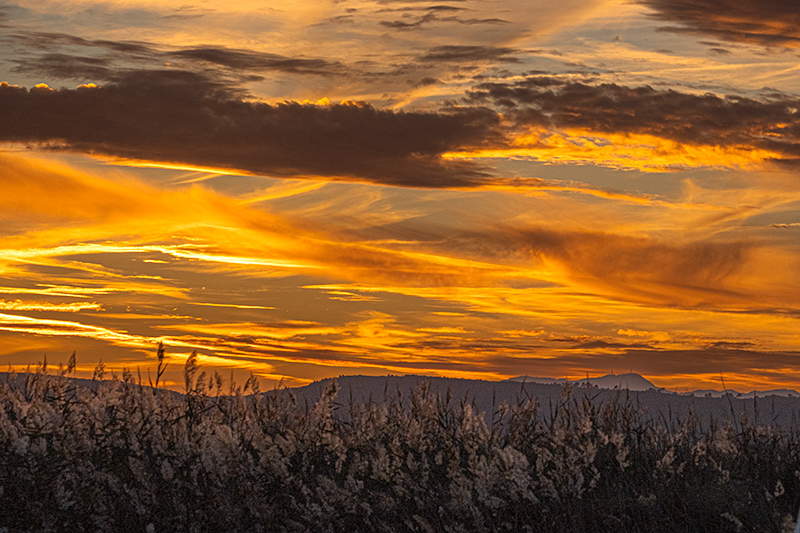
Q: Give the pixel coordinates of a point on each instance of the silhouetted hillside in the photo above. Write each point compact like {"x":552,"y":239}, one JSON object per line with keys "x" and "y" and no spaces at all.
{"x":658,"y":404}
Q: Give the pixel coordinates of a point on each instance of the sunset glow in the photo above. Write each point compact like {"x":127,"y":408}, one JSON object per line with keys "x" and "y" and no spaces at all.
{"x":465,"y":189}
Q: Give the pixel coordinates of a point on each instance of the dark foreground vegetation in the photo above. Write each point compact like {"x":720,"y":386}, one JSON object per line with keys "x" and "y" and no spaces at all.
{"x":126,"y":456}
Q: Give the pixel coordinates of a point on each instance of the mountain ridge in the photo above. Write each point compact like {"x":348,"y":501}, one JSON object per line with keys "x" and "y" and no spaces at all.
{"x":636,"y":382}
{"x":661,"y":406}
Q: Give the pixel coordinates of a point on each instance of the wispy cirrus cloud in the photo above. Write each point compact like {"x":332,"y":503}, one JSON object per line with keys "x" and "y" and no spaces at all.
{"x":192,"y":225}
{"x":73,"y":307}
{"x":219,"y":233}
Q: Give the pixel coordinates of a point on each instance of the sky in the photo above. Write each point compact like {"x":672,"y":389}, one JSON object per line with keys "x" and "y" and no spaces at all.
{"x":465,"y":188}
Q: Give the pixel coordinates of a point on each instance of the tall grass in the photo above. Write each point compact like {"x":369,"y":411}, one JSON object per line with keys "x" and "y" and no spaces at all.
{"x":124,"y":456}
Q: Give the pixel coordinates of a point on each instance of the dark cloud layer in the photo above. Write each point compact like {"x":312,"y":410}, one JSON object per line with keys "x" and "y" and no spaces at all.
{"x":248,"y":60}
{"x":654,"y":361}
{"x":434,"y":8}
{"x":764,"y":22}
{"x":182,"y":117}
{"x":415,"y":22}
{"x":468,"y":54}
{"x":53,"y":54}
{"x":720,"y":359}
{"x":66,"y":66}
{"x":48,"y":40}
{"x":708,"y":119}
{"x":389,"y":2}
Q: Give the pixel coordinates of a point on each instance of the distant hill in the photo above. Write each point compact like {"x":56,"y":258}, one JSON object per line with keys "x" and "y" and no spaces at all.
{"x":635,"y":382}
{"x":18,"y":380}
{"x":659,"y":405}
{"x":779,"y":407}
{"x":710,"y":393}
{"x":630,"y":381}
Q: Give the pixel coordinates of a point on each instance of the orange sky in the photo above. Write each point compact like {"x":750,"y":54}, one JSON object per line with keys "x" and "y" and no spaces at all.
{"x":467,"y":188}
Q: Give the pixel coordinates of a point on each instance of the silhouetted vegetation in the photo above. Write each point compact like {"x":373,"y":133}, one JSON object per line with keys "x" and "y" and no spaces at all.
{"x":127,"y":456}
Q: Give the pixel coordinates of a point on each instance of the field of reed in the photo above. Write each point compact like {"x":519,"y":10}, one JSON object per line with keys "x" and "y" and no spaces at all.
{"x":124,"y":454}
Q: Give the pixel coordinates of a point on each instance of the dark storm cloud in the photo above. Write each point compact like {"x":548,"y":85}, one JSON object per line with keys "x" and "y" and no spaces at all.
{"x":183,"y":117}
{"x":468,"y":54}
{"x":707,"y":119}
{"x":764,"y":22}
